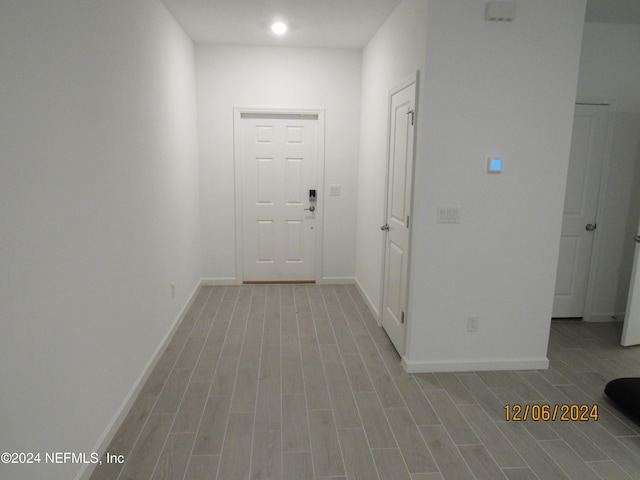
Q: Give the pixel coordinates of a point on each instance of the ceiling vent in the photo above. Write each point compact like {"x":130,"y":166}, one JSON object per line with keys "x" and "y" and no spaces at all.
{"x":500,"y":11}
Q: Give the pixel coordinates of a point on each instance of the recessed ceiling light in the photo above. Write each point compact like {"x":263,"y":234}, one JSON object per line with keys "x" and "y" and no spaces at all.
{"x":279,"y":28}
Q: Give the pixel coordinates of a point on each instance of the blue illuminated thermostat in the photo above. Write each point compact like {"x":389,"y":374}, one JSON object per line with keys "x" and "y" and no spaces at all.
{"x":494,"y":164}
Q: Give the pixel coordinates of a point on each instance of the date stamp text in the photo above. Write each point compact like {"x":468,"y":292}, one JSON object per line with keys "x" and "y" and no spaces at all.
{"x":550,"y":413}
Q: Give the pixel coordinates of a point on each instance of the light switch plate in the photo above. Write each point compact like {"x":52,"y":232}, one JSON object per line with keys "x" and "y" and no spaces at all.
{"x":500,"y":11}
{"x":449,"y":214}
{"x":334,"y":190}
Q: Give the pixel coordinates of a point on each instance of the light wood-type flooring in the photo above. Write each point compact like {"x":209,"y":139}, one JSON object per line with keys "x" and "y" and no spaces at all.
{"x":299,"y":383}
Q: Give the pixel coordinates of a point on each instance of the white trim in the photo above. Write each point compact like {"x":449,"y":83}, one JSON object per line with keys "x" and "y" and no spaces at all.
{"x":593,"y":101}
{"x":238,"y":112}
{"x":409,"y":324}
{"x":215,"y":281}
{"x":125,"y":407}
{"x":475,"y":365}
{"x":369,"y":302}
{"x":237,"y":149}
{"x":605,"y":317}
{"x":337,"y":281}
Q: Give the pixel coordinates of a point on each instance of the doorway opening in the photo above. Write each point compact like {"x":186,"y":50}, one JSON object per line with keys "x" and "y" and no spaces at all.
{"x":579,"y":223}
{"x":397,"y":221}
{"x":279,"y":167}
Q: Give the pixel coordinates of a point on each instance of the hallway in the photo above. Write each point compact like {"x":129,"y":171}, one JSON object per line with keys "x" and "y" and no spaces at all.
{"x":298,"y":382}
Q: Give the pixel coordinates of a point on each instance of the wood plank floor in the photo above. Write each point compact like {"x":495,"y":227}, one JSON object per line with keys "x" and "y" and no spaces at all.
{"x":298,"y":382}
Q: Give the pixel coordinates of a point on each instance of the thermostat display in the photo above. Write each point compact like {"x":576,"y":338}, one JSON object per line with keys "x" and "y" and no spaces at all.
{"x":494,"y":165}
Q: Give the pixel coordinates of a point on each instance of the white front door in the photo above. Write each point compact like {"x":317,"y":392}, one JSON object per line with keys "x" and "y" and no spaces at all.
{"x":279,"y":171}
{"x":397,"y":221}
{"x":631,"y":329}
{"x":580,"y":206}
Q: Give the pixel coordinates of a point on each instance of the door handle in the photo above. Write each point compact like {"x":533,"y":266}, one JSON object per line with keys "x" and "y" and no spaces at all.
{"x":591,"y":227}
{"x":311,"y":209}
{"x":385,"y":228}
{"x":636,"y":239}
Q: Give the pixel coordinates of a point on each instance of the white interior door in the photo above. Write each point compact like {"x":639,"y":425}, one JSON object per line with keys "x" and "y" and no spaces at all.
{"x":279,"y":168}
{"x":397,"y":222}
{"x":631,"y":329}
{"x":580,"y":208}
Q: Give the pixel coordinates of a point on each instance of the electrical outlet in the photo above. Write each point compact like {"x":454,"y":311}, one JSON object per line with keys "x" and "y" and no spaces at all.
{"x":472,"y":323}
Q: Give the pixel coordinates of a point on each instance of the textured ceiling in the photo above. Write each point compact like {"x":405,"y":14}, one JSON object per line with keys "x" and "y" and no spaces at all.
{"x":321,"y":23}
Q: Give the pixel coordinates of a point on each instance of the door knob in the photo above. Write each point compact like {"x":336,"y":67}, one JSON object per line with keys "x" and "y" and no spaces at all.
{"x":591,"y":227}
{"x":637,"y":238}
{"x":385,"y":228}
{"x":311,"y":208}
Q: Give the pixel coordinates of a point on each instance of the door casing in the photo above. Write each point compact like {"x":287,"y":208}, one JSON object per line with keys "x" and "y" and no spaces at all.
{"x":631,"y":327}
{"x":238,"y":112}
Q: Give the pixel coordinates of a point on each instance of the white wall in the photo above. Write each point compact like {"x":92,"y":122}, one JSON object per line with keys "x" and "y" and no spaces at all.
{"x":229,"y":77}
{"x":99,"y":213}
{"x":504,"y":89}
{"x":609,"y":70}
{"x":397,"y":51}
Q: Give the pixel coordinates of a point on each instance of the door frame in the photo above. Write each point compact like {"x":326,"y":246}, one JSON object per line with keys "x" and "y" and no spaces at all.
{"x":238,"y":112}
{"x":629,"y":335}
{"x":414,"y":78}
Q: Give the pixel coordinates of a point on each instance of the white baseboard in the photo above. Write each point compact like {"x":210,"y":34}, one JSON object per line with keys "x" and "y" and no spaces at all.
{"x":212,"y":282}
{"x":605,"y":317}
{"x":367,"y":299}
{"x":479,"y":365}
{"x":122,"y":412}
{"x":337,"y":281}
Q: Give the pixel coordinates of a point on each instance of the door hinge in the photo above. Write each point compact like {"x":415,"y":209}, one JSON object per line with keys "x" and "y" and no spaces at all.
{"x":407,"y":221}
{"x":411,"y":112}
{"x":402,"y":318}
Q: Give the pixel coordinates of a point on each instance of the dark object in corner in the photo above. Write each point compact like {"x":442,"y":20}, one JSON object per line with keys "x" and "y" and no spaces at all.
{"x":626,"y":393}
